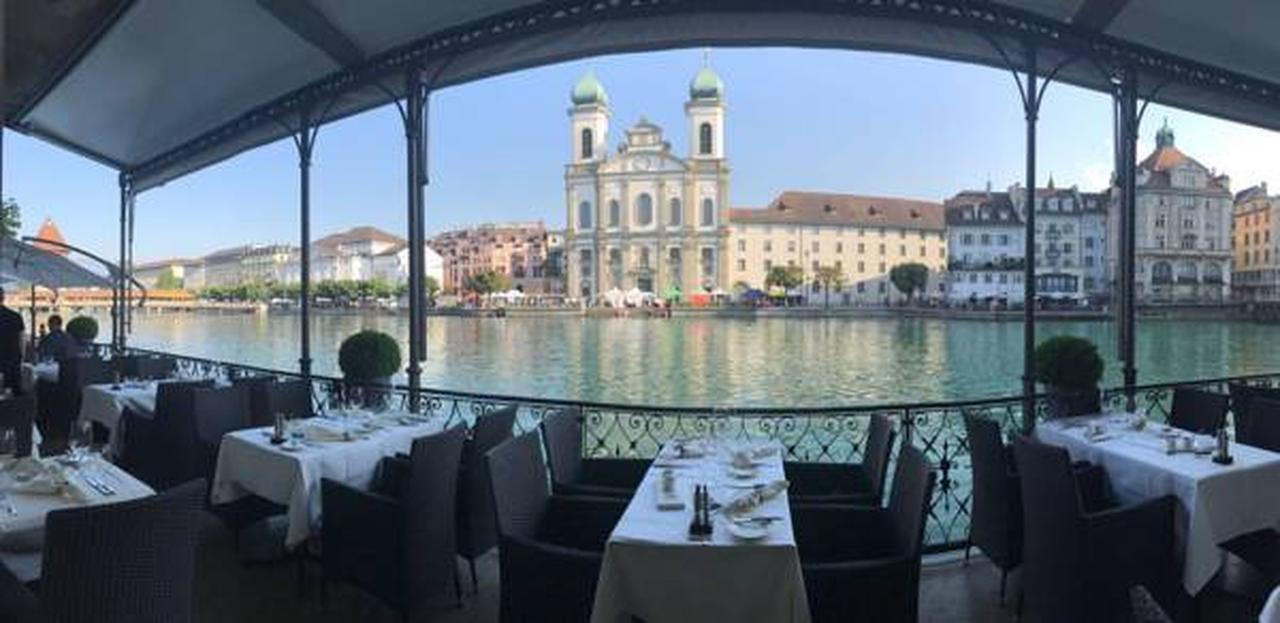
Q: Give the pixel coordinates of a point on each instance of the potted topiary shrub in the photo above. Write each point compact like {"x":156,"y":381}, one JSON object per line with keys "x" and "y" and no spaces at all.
{"x":84,"y":329}
{"x":1070,"y":367}
{"x":368,"y":360}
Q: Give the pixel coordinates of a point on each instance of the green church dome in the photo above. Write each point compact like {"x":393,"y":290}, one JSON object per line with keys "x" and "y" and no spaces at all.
{"x":706,"y":85}
{"x":589,"y":91}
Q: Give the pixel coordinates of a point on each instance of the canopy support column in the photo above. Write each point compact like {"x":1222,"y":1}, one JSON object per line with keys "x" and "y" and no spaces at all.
{"x":304,"y":139}
{"x":119,"y":309}
{"x":415,"y":118}
{"x":1126,"y":149}
{"x":1031,"y":108}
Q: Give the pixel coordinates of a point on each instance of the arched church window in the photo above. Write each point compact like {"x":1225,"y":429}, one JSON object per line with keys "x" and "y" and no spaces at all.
{"x":587,"y":142}
{"x":584,"y":215}
{"x":675,"y":216}
{"x":708,"y":213}
{"x":615,"y":213}
{"x":644,"y":209}
{"x":704,"y":139}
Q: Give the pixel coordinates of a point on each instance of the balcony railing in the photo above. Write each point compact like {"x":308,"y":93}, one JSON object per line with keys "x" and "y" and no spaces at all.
{"x":817,"y":434}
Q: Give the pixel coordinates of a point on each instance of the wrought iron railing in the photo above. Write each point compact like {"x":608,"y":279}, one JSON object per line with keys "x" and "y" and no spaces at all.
{"x":808,"y":434}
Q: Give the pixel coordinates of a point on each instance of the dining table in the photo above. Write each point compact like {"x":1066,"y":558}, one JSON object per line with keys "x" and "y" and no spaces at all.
{"x":747,"y":569}
{"x":345,"y":446}
{"x":31,"y":488}
{"x":1216,"y":502}
{"x":104,"y":404}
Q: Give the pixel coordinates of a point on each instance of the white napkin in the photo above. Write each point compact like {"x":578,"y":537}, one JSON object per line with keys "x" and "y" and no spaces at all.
{"x":751,"y":500}
{"x":52,"y":479}
{"x":324,"y":431}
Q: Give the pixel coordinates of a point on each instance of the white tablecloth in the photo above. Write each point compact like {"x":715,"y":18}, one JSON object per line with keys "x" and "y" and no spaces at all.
{"x":652,"y":570}
{"x":1216,"y":502}
{"x":249,"y":464}
{"x":32,"y":372}
{"x":22,"y":532}
{"x":105,"y":404}
{"x":1271,"y":610}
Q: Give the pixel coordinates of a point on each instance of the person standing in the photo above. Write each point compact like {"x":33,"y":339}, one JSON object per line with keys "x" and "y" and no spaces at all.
{"x":11,"y":328}
{"x":57,"y":344}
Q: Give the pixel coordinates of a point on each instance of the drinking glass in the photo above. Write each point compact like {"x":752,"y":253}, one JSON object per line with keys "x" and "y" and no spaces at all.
{"x":80,"y":440}
{"x":8,"y":445}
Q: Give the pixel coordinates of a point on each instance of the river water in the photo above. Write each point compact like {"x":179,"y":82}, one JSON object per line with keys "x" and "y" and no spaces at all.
{"x":704,"y":361}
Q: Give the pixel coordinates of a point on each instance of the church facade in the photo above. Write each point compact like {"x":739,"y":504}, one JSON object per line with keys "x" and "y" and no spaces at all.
{"x":642,"y":216}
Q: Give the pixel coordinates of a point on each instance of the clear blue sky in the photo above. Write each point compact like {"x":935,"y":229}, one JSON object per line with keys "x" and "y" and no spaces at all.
{"x":854,"y":122}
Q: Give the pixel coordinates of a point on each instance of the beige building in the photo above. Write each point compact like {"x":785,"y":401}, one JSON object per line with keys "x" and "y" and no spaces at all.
{"x":642,"y":216}
{"x":862,"y":237}
{"x":521,"y":251}
{"x":1257,"y":263}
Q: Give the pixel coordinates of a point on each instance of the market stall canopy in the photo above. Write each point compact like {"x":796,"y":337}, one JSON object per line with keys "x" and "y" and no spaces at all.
{"x":159,"y":88}
{"x":27,"y":264}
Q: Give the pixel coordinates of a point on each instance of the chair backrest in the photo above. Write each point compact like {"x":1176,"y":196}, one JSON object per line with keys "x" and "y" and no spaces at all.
{"x":259,"y":414}
{"x":429,"y":530}
{"x":1053,"y":537}
{"x":518,"y":482}
{"x":562,"y":435}
{"x":1241,"y":397}
{"x":215,"y":412}
{"x":1198,"y":411}
{"x":477,"y":532}
{"x":1264,"y":424}
{"x":151,"y":367}
{"x":995,"y":519}
{"x":19,"y":413}
{"x":130,"y":561}
{"x":880,"y":435}
{"x":77,"y":372}
{"x":291,"y":397}
{"x":913,"y":480}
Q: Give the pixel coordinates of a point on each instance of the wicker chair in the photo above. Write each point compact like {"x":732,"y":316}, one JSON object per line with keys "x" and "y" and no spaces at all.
{"x":146,"y":366}
{"x":58,"y":404}
{"x":863,"y":564}
{"x":549,"y":546}
{"x":1198,"y":411}
{"x":197,"y":435}
{"x":1145,"y":608}
{"x":115,"y":563}
{"x":843,"y":483}
{"x":572,"y":474}
{"x":400,"y":549}
{"x":146,"y":448}
{"x":1241,"y":412}
{"x":477,"y":533}
{"x":18,"y":413}
{"x":1077,"y":565}
{"x":995,"y":524}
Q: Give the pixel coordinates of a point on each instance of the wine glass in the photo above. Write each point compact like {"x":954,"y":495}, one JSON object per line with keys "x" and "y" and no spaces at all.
{"x":8,"y":445}
{"x":81,"y":440}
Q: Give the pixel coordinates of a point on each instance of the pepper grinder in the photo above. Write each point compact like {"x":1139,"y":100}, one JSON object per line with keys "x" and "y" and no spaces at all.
{"x":1223,"y":454}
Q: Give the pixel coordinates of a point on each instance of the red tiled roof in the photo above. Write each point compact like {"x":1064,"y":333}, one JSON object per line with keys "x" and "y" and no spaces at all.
{"x":816,"y":208}
{"x":49,"y":231}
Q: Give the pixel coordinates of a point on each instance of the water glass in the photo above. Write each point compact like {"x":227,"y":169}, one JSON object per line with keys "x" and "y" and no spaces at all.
{"x":80,"y":440}
{"x":8,"y":445}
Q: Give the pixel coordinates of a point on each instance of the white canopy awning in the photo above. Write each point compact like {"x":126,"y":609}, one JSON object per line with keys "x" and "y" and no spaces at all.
{"x":166,"y":87}
{"x":29,"y":265}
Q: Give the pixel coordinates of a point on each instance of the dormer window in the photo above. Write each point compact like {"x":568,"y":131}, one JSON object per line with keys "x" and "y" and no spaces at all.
{"x":828,"y":208}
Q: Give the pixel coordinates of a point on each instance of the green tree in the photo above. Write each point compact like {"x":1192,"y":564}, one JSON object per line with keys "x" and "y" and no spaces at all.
{"x":10,"y":218}
{"x":910,"y":278}
{"x":828,"y":277}
{"x":168,"y":281}
{"x":786,"y":277}
{"x":432,"y":287}
{"x":487,"y":282}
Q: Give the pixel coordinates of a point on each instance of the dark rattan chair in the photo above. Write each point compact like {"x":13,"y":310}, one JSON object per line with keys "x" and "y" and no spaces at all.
{"x":1197,"y":410}
{"x":573,"y":474}
{"x":18,"y":413}
{"x":145,"y":449}
{"x":400,"y":549}
{"x":549,"y":546}
{"x":197,"y":435}
{"x":58,"y":404}
{"x":115,"y":563}
{"x":995,"y":524}
{"x":477,"y":533}
{"x":842,"y":483}
{"x":1079,"y":566}
{"x":1145,"y":608}
{"x":861,"y":563}
{"x":146,"y":366}
{"x":1241,"y":398}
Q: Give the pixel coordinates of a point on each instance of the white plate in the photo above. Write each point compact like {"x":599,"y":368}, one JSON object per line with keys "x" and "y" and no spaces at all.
{"x":748,"y":531}
{"x":743,"y":474}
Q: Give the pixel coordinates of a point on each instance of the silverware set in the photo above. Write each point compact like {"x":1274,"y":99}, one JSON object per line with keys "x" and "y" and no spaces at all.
{"x":98,"y":484}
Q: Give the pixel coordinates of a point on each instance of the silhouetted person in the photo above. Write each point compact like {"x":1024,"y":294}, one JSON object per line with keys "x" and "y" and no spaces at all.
{"x":11,"y":328}
{"x":57,"y":344}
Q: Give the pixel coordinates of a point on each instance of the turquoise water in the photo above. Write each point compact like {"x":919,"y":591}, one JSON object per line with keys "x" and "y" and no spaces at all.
{"x":724,"y":361}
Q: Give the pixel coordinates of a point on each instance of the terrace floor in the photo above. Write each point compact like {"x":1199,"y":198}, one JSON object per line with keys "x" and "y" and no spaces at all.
{"x":951,"y":591}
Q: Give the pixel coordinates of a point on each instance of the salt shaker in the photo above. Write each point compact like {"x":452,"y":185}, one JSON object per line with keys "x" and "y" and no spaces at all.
{"x":668,"y":480}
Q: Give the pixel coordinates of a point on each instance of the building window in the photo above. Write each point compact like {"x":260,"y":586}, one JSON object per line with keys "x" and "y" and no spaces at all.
{"x":742,"y":266}
{"x":882,"y":267}
{"x":902,"y":250}
{"x":1066,"y":247}
{"x":768,"y":265}
{"x":644,"y":210}
{"x":966,"y":239}
{"x":985,"y":239}
{"x":704,"y":139}
{"x":815,"y":266}
{"x":924,"y":252}
{"x":1189,"y":241}
{"x":1004,"y":239}
{"x":881,"y":249}
{"x":742,"y":246}
{"x":615,"y":213}
{"x":768,"y":246}
{"x":584,"y":215}
{"x":674,"y":217}
{"x":587,"y":142}
{"x":708,"y":213}
{"x":861,"y":267}
{"x":862,"y":248}
{"x":839,"y":247}
{"x":814,"y":246}
{"x":839,"y":266}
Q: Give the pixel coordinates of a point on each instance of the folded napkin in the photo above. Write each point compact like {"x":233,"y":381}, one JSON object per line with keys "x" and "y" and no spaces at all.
{"x":325,"y":431}
{"x":668,"y":500}
{"x":48,"y":478}
{"x":751,"y":500}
